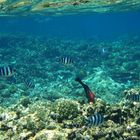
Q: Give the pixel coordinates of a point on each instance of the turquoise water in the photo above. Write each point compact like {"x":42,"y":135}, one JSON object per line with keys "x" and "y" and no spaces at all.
{"x":69,"y":70}
{"x":104,"y":46}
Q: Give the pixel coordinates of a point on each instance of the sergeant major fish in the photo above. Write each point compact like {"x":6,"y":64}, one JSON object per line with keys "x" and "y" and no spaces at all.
{"x":66,"y":60}
{"x":29,"y":83}
{"x":133,"y":97}
{"x":94,"y":120}
{"x":6,"y":71}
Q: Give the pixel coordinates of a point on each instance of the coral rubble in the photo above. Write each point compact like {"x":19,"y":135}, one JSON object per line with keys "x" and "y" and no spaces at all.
{"x":65,"y":119}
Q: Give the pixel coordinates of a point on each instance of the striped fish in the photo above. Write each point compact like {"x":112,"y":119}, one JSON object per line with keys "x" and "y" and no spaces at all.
{"x":133,"y":97}
{"x":29,"y":83}
{"x":6,"y":71}
{"x":66,"y":60}
{"x":94,"y":120}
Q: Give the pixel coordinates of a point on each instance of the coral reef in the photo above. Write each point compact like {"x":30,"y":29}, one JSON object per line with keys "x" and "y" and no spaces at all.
{"x":41,"y":120}
{"x":65,"y":109}
{"x":57,"y":108}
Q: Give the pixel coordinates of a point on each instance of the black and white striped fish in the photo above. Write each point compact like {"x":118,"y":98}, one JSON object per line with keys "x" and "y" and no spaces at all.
{"x":66,"y":60}
{"x":133,"y":97}
{"x":29,"y":83}
{"x":6,"y":71}
{"x":94,"y":120}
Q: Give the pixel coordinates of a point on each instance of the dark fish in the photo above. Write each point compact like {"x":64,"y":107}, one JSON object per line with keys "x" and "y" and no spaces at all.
{"x":94,"y":120}
{"x":66,"y":60}
{"x":12,"y":79}
{"x":29,"y":83}
{"x":89,"y":94}
{"x":133,"y":97}
{"x":6,"y":71}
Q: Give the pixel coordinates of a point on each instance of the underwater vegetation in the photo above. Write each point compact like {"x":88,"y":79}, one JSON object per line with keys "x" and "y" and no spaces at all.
{"x":40,"y":99}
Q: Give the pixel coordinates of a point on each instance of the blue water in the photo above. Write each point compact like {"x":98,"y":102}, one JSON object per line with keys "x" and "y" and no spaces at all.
{"x":104,"y":26}
{"x":87,"y":38}
{"x":53,"y":67}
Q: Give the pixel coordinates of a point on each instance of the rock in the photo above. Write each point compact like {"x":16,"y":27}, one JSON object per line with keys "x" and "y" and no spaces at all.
{"x":25,"y":135}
